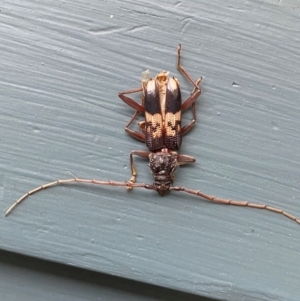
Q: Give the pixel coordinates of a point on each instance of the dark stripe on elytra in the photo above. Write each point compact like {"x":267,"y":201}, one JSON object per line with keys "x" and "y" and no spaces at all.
{"x":173,"y":97}
{"x":154,"y":144}
{"x":173,"y":142}
{"x":152,"y":104}
{"x":176,"y":126}
{"x":153,"y":128}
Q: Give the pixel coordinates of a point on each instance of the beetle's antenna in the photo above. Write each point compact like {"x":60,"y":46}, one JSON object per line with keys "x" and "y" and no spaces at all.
{"x":199,"y":193}
{"x":215,"y":199}
{"x":77,"y":180}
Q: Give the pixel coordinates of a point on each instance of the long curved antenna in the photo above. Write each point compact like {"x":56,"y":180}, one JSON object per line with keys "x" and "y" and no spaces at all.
{"x":199,"y":193}
{"x":77,"y":180}
{"x":215,"y":199}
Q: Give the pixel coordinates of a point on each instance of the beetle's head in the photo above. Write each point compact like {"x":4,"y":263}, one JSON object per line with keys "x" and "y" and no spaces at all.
{"x":163,"y":165}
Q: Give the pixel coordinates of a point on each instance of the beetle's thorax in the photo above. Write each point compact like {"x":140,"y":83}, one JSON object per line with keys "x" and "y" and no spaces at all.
{"x":163,"y":165}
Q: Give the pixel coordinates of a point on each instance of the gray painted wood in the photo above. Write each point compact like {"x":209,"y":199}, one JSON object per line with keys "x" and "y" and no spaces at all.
{"x":62,"y":65}
{"x":37,"y":279}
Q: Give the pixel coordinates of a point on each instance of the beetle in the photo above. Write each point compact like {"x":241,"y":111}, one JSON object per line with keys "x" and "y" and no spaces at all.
{"x":161,"y":130}
{"x":162,"y":133}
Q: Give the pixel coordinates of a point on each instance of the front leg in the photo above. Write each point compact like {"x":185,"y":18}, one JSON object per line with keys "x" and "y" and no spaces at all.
{"x":185,"y":159}
{"x":143,"y":154}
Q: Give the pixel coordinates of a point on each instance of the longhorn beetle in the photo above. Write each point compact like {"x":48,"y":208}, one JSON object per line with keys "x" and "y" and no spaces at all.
{"x":162,"y":133}
{"x":161,"y":130}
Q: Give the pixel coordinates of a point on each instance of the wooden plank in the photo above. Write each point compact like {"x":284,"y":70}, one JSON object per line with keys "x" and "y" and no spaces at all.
{"x":44,"y":280}
{"x":62,"y":66}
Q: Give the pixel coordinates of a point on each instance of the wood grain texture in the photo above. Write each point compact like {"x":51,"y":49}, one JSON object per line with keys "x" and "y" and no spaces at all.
{"x":62,"y":65}
{"x":37,"y":279}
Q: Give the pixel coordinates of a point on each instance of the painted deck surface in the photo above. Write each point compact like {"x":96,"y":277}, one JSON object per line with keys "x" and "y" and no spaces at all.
{"x":62,"y":66}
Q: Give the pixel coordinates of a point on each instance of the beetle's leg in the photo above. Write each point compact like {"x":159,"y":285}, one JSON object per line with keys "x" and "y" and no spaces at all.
{"x":143,"y":154}
{"x":131,"y":102}
{"x":190,"y":102}
{"x":184,"y":72}
{"x":135,"y":134}
{"x":185,"y":159}
{"x":142,"y":125}
{"x":199,"y":80}
{"x":139,"y":109}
